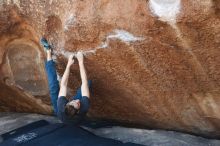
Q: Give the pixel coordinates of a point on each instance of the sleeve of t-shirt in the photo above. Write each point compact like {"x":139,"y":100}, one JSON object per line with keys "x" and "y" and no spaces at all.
{"x":84,"y":105}
{"x":61,"y":103}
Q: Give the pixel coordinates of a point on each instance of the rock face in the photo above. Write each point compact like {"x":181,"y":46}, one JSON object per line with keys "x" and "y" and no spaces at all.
{"x":162,"y":71}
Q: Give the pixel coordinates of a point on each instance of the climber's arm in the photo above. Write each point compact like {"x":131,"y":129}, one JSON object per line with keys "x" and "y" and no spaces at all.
{"x":84,"y":86}
{"x":64,"y":80}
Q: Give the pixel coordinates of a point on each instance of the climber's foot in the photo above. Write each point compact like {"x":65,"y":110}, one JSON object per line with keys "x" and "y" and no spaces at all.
{"x":45,"y":43}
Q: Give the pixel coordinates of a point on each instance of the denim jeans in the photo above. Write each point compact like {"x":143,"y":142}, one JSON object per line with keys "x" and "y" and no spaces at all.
{"x":53,"y":83}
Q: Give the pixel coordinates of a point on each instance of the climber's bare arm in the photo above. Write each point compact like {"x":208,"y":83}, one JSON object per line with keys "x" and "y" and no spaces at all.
{"x":64,"y":80}
{"x":84,"y":86}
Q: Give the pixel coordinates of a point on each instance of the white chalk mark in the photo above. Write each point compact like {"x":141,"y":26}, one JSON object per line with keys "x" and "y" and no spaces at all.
{"x":69,"y":22}
{"x":166,"y":10}
{"x":103,"y":45}
{"x":122,"y":35}
{"x":66,"y":53}
{"x":63,"y":52}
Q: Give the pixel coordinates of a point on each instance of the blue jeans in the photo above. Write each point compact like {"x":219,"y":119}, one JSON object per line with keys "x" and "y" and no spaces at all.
{"x":54,"y":84}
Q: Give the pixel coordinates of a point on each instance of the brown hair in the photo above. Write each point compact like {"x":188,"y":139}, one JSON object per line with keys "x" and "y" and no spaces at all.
{"x":70,"y":110}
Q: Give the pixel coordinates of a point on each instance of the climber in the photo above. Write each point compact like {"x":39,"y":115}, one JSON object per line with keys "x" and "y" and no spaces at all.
{"x":72,"y":111}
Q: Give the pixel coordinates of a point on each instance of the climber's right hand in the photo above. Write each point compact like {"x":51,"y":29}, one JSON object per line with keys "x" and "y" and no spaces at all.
{"x":70,"y":60}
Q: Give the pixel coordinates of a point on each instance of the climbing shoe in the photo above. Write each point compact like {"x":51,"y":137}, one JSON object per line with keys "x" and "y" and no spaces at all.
{"x":45,"y":43}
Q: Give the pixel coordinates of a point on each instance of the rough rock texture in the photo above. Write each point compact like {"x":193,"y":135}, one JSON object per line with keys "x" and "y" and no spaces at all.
{"x":145,"y":70}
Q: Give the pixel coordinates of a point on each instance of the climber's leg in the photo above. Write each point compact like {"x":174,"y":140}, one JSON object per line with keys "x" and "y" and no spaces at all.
{"x":52,"y":80}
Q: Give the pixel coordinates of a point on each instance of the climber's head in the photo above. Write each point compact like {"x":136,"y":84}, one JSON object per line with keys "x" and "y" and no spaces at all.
{"x":72,"y":107}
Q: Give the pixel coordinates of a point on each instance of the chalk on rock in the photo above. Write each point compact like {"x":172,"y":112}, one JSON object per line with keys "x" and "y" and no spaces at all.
{"x":124,"y":36}
{"x":166,"y":10}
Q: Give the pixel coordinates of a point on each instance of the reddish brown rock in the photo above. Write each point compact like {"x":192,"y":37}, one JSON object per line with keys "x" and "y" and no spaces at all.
{"x":147,"y":72}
